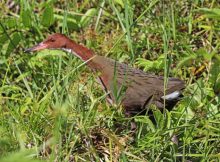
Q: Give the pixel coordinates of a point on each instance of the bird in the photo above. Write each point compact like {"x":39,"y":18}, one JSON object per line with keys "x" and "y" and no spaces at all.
{"x":132,"y":88}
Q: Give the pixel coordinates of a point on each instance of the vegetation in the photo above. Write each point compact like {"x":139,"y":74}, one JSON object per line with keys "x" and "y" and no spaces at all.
{"x":52,"y":109}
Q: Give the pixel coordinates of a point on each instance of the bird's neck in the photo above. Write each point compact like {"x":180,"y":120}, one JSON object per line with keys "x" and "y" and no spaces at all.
{"x":80,"y":51}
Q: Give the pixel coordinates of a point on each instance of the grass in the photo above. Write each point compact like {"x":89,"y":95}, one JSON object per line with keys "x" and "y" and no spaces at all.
{"x":52,"y":109}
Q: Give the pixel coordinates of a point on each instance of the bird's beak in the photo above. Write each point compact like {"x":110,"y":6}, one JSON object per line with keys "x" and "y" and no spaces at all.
{"x":37,"y":47}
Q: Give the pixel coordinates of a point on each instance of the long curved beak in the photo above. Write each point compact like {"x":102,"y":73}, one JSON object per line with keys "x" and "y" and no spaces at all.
{"x":37,"y":47}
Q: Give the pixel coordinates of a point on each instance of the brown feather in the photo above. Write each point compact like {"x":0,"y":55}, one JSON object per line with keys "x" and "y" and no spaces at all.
{"x":141,"y":89}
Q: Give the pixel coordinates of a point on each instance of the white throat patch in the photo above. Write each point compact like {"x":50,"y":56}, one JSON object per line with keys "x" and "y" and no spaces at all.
{"x":67,"y":50}
{"x":71,"y":51}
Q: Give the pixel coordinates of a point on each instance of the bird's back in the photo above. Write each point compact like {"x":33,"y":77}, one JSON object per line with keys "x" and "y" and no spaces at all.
{"x":134,"y":88}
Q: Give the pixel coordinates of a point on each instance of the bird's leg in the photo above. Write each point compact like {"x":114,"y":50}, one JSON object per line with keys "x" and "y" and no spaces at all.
{"x":133,"y":126}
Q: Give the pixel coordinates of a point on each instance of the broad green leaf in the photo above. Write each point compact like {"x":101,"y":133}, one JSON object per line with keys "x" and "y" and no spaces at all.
{"x":214,"y":77}
{"x":15,"y":39}
{"x":210,"y":13}
{"x":26,"y":18}
{"x":203,"y":52}
{"x":145,"y":119}
{"x":9,"y":89}
{"x":24,"y":156}
{"x":23,"y":75}
{"x":48,"y":16}
{"x":186,"y":60}
{"x":144,"y":63}
{"x":11,"y":22}
{"x":36,"y":60}
{"x":206,"y":27}
{"x":42,"y":54}
{"x":168,"y":119}
{"x":87,"y":17}
{"x":71,"y":21}
{"x":3,"y":39}
{"x":1,"y":29}
{"x":148,"y":65}
{"x":159,"y":118}
{"x":120,"y":2}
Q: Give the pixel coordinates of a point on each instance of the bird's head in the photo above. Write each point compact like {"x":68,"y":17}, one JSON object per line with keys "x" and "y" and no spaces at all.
{"x":54,"y":41}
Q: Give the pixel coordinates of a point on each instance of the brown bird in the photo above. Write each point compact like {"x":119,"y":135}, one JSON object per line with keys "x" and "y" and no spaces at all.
{"x":134,"y":89}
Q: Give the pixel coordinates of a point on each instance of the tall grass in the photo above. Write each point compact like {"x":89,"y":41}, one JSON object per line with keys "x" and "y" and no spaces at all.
{"x":52,"y":109}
